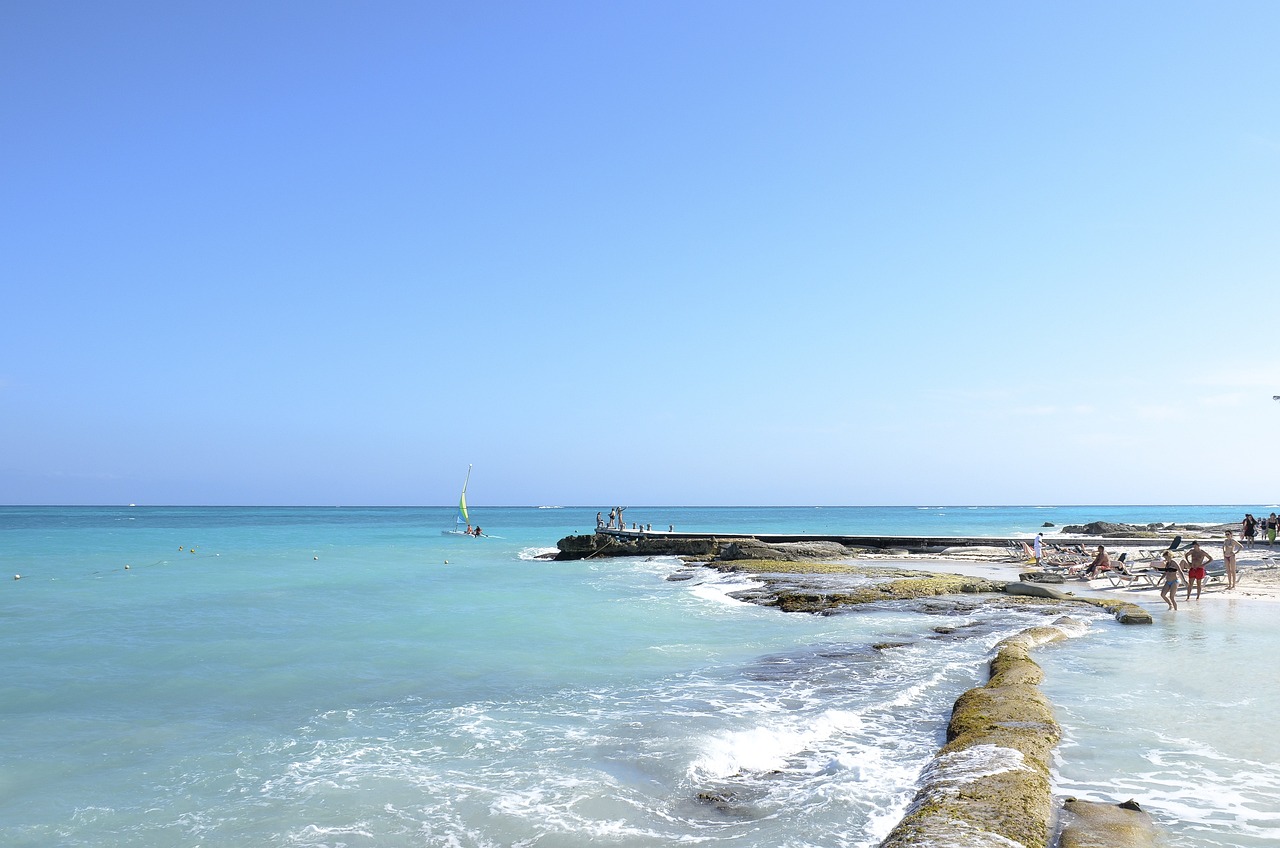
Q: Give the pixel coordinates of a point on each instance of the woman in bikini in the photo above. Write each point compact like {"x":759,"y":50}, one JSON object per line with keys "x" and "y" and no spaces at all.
{"x":1172,"y":571}
{"x":1229,"y":549}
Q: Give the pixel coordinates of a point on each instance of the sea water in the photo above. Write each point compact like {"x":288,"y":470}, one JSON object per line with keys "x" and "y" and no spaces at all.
{"x":354,"y":677}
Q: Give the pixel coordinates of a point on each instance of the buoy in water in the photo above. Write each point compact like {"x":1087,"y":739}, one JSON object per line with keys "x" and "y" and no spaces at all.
{"x":17,"y":577}
{"x":126,"y":568}
{"x":315,"y":558}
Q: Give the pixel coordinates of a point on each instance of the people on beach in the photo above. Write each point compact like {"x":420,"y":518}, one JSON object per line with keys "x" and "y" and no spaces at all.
{"x":1196,"y":559}
{"x":1038,"y":547}
{"x":1271,"y":529}
{"x":1171,"y":569}
{"x":1101,"y":562}
{"x":1230,"y":547}
{"x":1249,"y":529}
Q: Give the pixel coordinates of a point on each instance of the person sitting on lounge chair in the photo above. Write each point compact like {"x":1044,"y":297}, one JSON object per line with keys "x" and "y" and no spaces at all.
{"x":1101,"y":562}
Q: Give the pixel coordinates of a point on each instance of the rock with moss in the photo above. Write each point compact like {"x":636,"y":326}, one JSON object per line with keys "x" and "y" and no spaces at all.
{"x":899,"y":589}
{"x":754,"y":549}
{"x":1124,"y":611}
{"x":1092,"y":824}
{"x":606,"y":545}
{"x":1035,"y":590}
{"x":990,"y":784}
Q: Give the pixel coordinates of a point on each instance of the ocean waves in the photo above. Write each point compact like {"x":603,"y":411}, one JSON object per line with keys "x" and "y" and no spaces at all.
{"x":375,"y":696}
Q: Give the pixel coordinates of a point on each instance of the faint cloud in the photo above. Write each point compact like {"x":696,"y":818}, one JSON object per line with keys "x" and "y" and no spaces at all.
{"x":1262,"y":141}
{"x":1231,"y":399}
{"x":1045,"y":410}
{"x":1260,"y":378}
{"x":1099,"y":440}
{"x":1158,"y":412}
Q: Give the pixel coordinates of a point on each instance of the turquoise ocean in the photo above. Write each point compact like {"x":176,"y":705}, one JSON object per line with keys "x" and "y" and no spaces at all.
{"x":354,"y":677}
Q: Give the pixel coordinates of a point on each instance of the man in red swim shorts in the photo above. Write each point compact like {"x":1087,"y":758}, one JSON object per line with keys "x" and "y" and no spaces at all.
{"x":1196,"y":559}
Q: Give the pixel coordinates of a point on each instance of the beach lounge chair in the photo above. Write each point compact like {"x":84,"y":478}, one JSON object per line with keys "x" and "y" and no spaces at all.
{"x":1060,"y":558}
{"x":1146,"y":578}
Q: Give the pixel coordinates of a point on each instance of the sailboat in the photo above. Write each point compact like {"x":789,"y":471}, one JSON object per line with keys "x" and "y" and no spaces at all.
{"x":461,"y":520}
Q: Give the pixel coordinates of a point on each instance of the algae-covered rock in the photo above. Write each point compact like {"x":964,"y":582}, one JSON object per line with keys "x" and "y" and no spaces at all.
{"x":778,"y":566}
{"x":1125,"y":612}
{"x":1091,"y":824}
{"x":606,"y":545}
{"x":1035,"y":590}
{"x":1133,"y":614}
{"x":901,"y":589}
{"x":740,"y":549}
{"x":1013,"y":666}
{"x":990,"y":784}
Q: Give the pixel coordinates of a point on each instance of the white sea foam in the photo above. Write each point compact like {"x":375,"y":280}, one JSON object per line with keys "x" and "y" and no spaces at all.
{"x":720,"y":590}
{"x":951,"y":770}
{"x":771,"y":746}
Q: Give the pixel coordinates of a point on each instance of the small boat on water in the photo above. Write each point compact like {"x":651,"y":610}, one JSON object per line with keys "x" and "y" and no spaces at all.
{"x":462,"y":519}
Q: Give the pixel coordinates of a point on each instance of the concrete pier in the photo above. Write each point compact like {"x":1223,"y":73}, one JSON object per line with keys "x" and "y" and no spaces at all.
{"x":910,"y":543}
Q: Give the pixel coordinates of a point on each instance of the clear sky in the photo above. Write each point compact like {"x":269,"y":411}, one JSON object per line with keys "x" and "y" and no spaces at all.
{"x":639,"y":252}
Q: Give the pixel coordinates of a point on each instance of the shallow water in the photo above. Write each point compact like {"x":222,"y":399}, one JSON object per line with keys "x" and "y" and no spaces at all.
{"x":323,"y":677}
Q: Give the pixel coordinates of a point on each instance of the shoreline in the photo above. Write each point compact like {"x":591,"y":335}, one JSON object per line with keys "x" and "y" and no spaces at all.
{"x":1258,"y":573}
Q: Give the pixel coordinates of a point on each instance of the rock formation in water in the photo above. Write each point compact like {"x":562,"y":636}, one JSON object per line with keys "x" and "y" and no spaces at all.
{"x":1091,"y":824}
{"x":990,"y":784}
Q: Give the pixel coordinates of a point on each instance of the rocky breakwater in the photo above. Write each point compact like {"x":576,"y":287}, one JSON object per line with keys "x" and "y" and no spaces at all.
{"x":1158,"y":530}
{"x":990,"y":784}
{"x":702,"y":549}
{"x":603,"y":544}
{"x":1124,"y":611}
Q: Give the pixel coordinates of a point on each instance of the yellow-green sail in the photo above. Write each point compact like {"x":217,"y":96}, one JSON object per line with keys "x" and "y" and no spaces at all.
{"x":463,"y":518}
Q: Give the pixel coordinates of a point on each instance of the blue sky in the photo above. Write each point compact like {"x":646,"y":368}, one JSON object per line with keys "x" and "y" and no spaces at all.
{"x":665,"y":253}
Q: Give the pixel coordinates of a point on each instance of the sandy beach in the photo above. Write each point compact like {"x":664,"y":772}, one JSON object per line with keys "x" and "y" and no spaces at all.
{"x":1258,"y":571}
